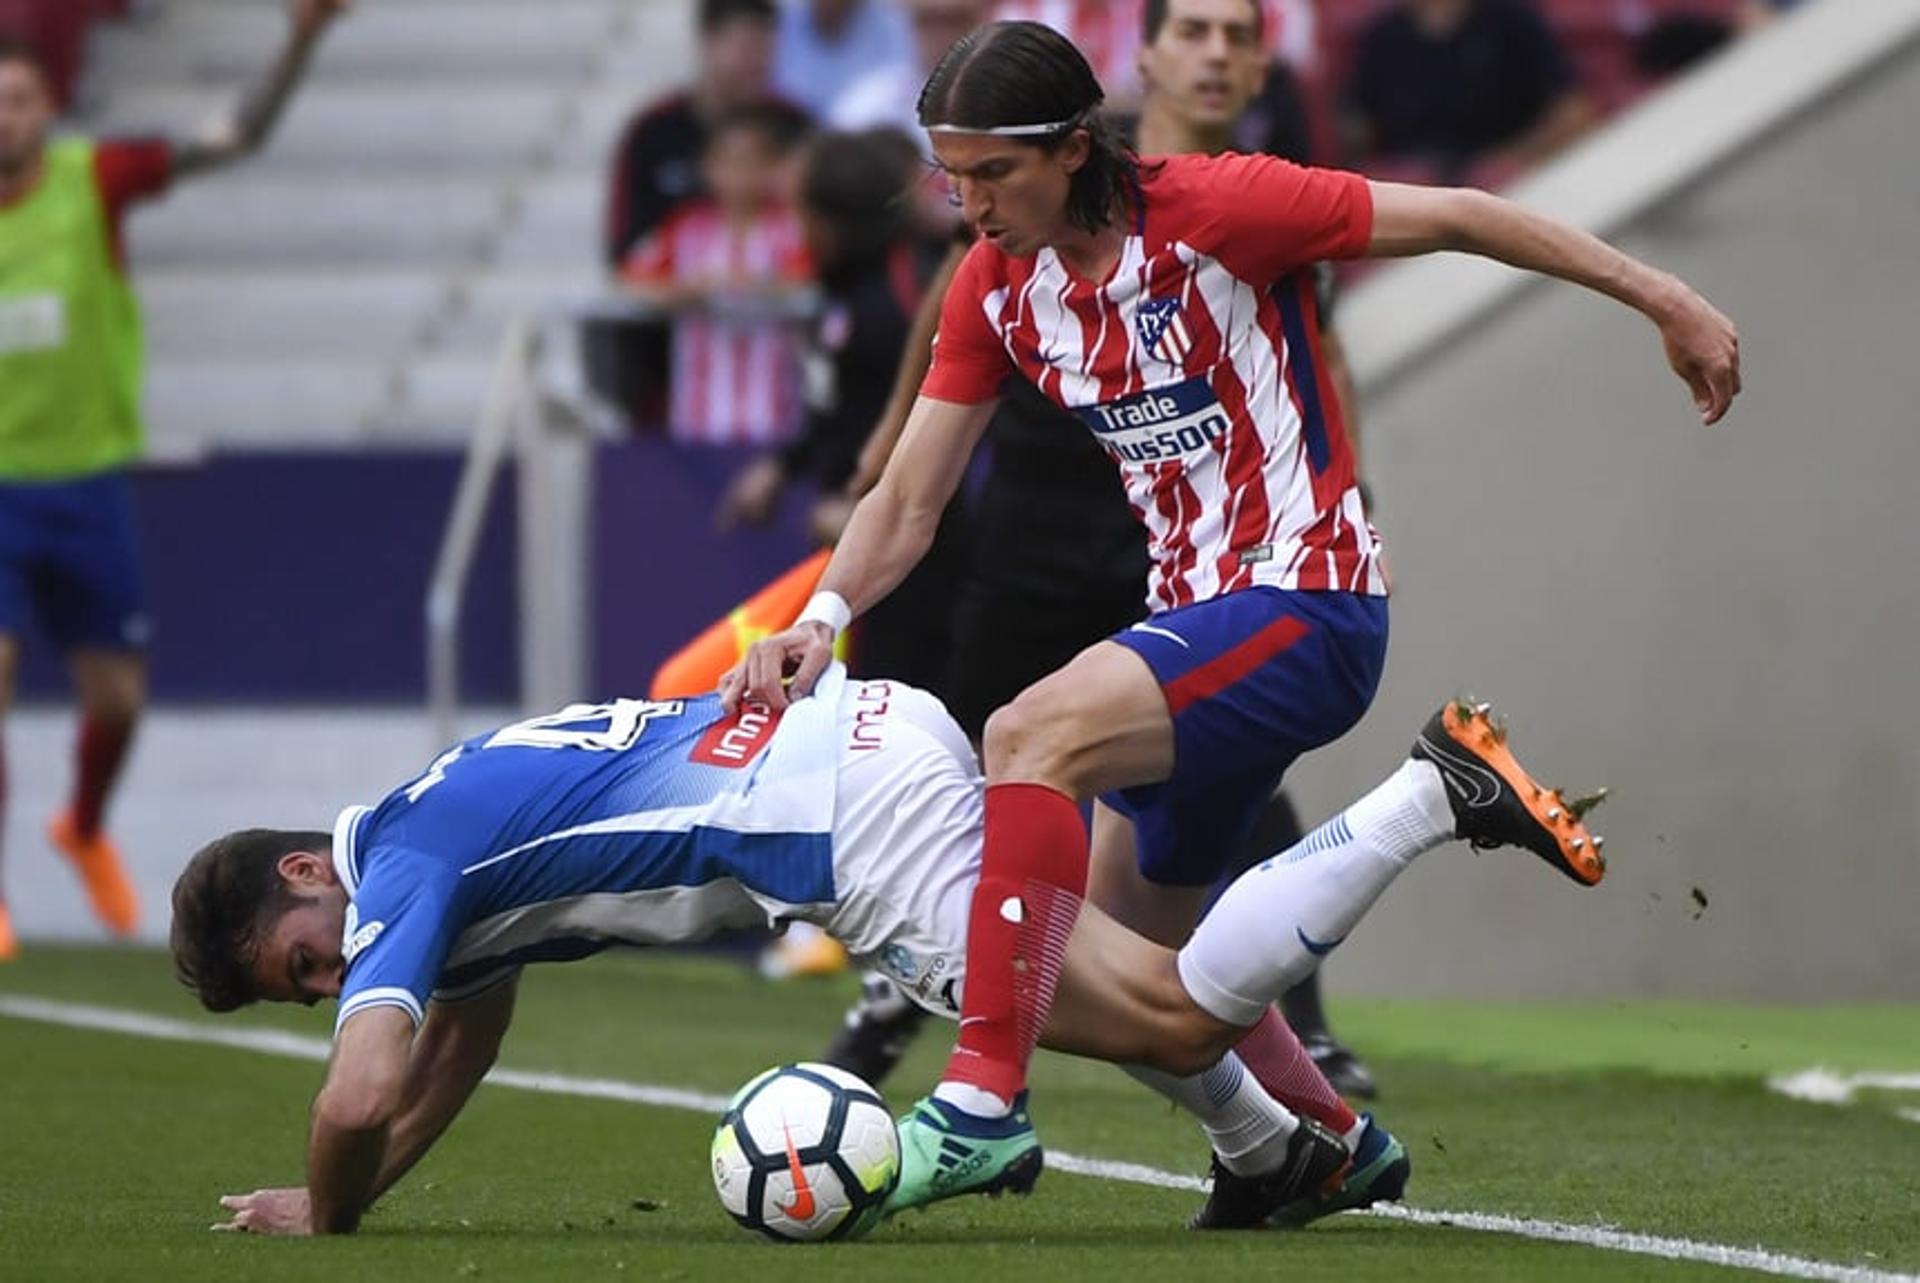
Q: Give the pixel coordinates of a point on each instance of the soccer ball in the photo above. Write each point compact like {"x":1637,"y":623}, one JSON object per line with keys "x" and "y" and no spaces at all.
{"x":804,"y":1153}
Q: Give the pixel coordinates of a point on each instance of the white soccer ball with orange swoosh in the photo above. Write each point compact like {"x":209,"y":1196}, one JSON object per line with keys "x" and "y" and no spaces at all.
{"x":804,"y":1153}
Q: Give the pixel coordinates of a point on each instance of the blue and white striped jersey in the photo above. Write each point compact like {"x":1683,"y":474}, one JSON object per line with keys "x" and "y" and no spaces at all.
{"x":634,"y":822}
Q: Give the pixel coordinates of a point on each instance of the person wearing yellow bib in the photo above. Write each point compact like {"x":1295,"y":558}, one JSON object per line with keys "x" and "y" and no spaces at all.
{"x":70,"y":365}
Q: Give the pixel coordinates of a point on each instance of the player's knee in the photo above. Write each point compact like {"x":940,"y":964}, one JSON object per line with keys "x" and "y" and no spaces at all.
{"x":115,"y":703}
{"x":1029,"y":741}
{"x":1014,"y":742}
{"x":1187,"y":1046}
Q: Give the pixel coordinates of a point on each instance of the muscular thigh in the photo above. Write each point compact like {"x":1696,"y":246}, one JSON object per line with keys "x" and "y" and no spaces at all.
{"x":1100,"y":723}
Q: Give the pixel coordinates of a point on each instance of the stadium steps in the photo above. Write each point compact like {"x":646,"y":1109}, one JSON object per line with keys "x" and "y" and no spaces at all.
{"x":442,"y":171}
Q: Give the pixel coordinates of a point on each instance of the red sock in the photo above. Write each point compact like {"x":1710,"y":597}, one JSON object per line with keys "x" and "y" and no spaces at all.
{"x":1273,"y":1053}
{"x":1032,"y":876}
{"x":97,"y":759}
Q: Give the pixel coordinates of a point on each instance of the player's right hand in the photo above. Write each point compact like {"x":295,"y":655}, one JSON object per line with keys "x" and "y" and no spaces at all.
{"x":1703,"y":347}
{"x":802,"y":652}
{"x":268,"y":1211}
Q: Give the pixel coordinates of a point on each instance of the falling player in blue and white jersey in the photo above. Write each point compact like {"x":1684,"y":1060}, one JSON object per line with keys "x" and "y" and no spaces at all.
{"x":638,"y":823}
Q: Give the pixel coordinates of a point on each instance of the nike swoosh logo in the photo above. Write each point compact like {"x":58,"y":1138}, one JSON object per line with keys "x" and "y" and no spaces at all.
{"x":800,"y":1207}
{"x":1153,"y":631}
{"x":1472,"y":783}
{"x":1317,"y":948}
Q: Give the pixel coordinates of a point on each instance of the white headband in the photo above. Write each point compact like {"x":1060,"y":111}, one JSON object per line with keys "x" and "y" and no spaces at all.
{"x":1008,"y":131}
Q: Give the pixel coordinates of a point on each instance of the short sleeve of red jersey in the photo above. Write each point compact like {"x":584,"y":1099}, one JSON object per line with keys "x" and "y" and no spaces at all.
{"x":1268,"y":216}
{"x":131,"y":169}
{"x":969,"y":361}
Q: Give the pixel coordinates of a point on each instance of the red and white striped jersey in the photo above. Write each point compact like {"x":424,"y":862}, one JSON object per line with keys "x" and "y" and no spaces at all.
{"x":733,"y":382}
{"x":1197,"y":366}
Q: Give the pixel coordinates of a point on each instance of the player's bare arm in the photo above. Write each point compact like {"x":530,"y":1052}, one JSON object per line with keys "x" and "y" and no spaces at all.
{"x":457,"y":1044}
{"x":242,"y":131}
{"x":353,"y":1114}
{"x":887,"y":535}
{"x":452,"y":1053}
{"x":1703,"y":347}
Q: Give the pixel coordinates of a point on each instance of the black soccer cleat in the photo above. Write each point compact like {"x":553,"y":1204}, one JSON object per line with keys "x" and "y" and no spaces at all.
{"x":878,"y":1031}
{"x":1496,"y":803}
{"x":1314,"y":1168}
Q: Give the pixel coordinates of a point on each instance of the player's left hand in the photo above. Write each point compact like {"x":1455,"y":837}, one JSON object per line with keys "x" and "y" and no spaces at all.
{"x":267,"y":1211}
{"x":1703,"y":347}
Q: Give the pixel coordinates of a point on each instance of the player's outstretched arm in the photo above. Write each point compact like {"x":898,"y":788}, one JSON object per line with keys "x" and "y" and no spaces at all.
{"x":889,"y":532}
{"x":455,"y":1048}
{"x":244,"y":130}
{"x":1702,"y":345}
{"x":450,"y":1056}
{"x":366,"y":1081}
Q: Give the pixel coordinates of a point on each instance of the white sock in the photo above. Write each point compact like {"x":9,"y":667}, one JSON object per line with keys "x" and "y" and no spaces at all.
{"x":1272,"y":927}
{"x":1246,"y":1127}
{"x":977,"y":1101}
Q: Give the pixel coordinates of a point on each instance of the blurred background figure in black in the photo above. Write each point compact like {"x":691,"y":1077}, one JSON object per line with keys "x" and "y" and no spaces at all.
{"x":1462,"y":91}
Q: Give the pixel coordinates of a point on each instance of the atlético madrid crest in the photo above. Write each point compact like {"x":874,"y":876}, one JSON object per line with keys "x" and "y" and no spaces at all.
{"x":1163,"y":334}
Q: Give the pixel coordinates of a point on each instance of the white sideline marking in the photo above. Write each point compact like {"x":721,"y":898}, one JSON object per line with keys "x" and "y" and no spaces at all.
{"x":301,"y":1047}
{"x":1825,"y":1087}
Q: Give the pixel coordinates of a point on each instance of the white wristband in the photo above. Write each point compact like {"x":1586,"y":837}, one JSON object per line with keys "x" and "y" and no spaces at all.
{"x":828,"y":608}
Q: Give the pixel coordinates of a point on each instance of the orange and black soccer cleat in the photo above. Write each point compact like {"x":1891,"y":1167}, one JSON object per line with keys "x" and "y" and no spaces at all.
{"x":98,"y":861}
{"x":9,"y":945}
{"x":1496,"y":803}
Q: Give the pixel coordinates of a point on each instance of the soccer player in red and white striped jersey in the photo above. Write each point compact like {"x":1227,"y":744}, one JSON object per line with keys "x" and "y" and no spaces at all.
{"x":1163,"y":301}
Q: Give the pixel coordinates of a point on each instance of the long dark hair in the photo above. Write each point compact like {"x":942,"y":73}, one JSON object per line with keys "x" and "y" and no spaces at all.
{"x":1008,"y":74}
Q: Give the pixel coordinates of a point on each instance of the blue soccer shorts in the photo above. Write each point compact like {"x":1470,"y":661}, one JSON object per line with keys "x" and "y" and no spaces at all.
{"x":70,"y":556}
{"x":1253,"y":680}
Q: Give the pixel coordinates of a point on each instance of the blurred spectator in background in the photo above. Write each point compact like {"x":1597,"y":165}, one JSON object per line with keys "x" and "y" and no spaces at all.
{"x":656,"y":165}
{"x":826,"y":45}
{"x":1462,"y":89}
{"x":70,"y":365}
{"x":855,"y":203}
{"x":656,"y":168}
{"x":730,"y":266}
{"x":887,"y":97}
{"x":1106,"y":31}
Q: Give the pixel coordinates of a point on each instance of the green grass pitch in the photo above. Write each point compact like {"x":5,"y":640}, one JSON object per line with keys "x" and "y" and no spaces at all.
{"x":1650,"y":1117}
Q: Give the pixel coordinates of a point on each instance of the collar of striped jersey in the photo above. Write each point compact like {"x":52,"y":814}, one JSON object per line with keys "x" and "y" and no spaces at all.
{"x":346,"y":861}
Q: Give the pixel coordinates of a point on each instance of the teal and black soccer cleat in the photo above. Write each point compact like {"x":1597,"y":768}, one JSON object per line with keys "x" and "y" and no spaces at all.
{"x":1496,"y":803}
{"x":1311,"y":1171}
{"x":1379,"y":1175}
{"x":946,"y":1151}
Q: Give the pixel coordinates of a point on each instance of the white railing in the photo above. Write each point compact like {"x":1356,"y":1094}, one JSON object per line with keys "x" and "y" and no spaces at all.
{"x":553,"y":452}
{"x":552,"y":444}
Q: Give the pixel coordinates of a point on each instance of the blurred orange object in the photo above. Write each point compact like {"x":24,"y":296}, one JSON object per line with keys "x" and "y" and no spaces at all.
{"x":696,"y":668}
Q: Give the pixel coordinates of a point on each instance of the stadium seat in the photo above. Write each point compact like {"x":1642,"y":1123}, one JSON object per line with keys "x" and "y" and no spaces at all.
{"x":375,"y":316}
